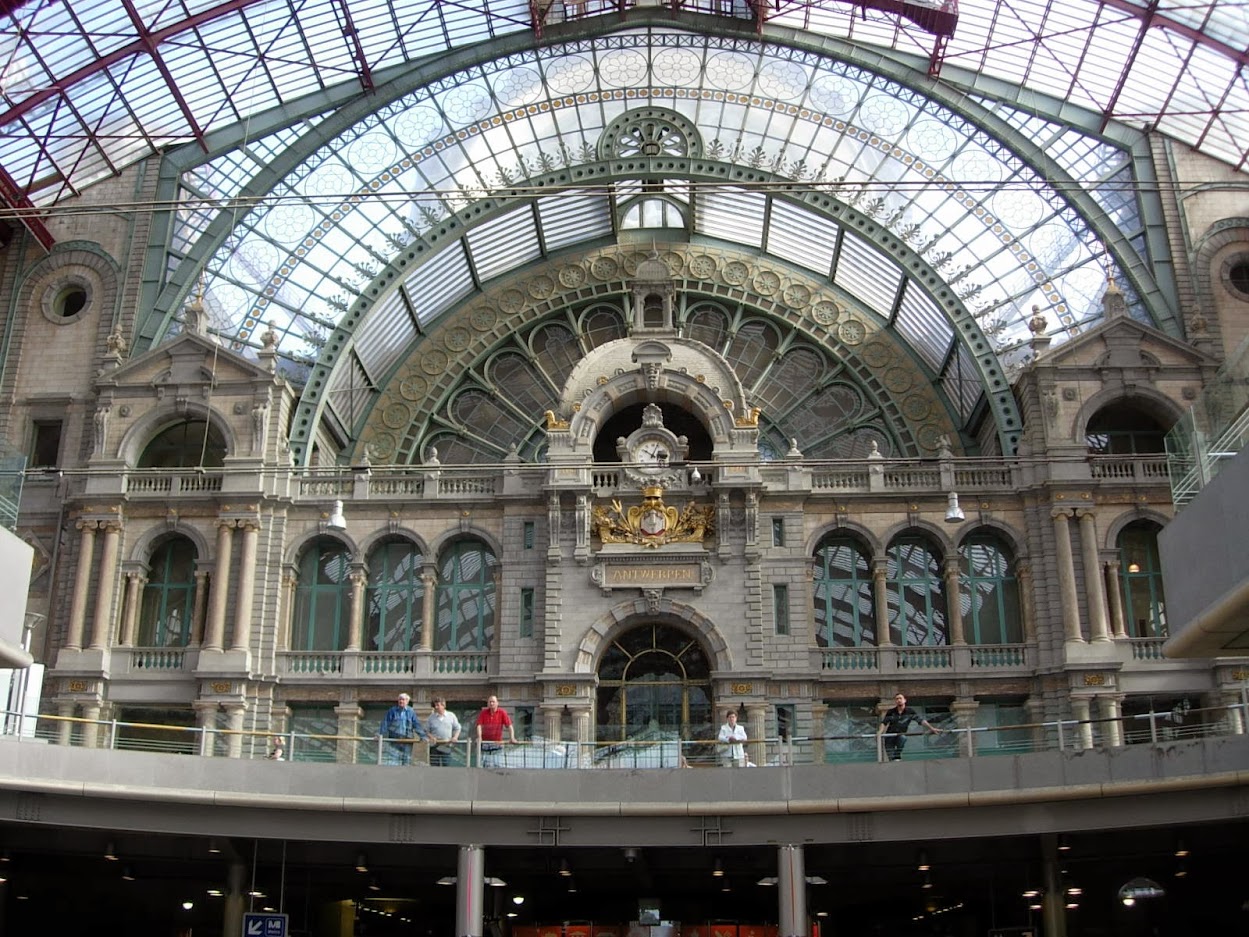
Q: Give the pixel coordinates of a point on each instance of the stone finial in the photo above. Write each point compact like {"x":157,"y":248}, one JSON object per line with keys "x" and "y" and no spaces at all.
{"x":116,"y":342}
{"x":1038,"y":323}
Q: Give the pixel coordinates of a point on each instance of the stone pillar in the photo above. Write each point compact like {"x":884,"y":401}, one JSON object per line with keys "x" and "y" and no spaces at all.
{"x":1112,"y":712}
{"x":1027,"y":615}
{"x":581,"y":722}
{"x":235,"y":903}
{"x":964,"y":711}
{"x":200,"y":607}
{"x":1035,"y":706}
{"x":244,"y":599}
{"x":953,"y":602}
{"x":286,"y":613}
{"x":552,"y":719}
{"x":880,"y":601}
{"x":429,"y":608}
{"x":135,"y":581}
{"x":234,"y":723}
{"x":90,"y":725}
{"x":1066,"y":575}
{"x":358,"y":578}
{"x":1235,"y":718}
{"x":1054,"y":897}
{"x":469,"y":887}
{"x":1115,"y":596}
{"x":757,"y":733}
{"x":349,"y":715}
{"x":64,"y":727}
{"x":215,"y":627}
{"x":791,"y":891}
{"x":1080,"y":710}
{"x":1099,"y":629}
{"x":206,"y":720}
{"x":819,"y":751}
{"x":102,"y":623}
{"x":82,"y":585}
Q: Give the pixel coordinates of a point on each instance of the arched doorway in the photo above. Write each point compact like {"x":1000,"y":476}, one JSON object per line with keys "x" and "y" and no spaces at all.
{"x":654,"y":683}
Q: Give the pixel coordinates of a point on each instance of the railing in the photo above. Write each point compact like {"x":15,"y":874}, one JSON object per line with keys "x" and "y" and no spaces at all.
{"x":296,"y":662}
{"x":1130,"y":468}
{"x":160,"y":482}
{"x":943,"y":657}
{"x":656,"y":750}
{"x":349,"y":664}
{"x":149,"y":659}
{"x":1145,"y":648}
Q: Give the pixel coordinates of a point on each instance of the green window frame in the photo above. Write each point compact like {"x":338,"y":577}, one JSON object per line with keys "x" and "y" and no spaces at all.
{"x":395,"y":597}
{"x":322,"y":598}
{"x":915,"y":593}
{"x":844,"y":612}
{"x":780,"y":607}
{"x":778,"y":531}
{"x":466,"y":597}
{"x":526,"y":611}
{"x":989,"y":592}
{"x":1140,"y":576}
{"x":168,"y":596}
{"x":527,"y":535}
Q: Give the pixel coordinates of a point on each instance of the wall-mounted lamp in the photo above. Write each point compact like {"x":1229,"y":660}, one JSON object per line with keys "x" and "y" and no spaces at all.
{"x":953,"y":513}
{"x":337,"y":521}
{"x":1134,"y":567}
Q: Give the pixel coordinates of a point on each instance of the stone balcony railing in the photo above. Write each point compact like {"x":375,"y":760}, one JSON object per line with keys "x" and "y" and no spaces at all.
{"x":357,"y":665}
{"x":962,"y":658}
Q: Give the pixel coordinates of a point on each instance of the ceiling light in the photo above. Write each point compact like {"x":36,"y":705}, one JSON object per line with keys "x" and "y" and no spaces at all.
{"x":256,"y":893}
{"x":494,"y":882}
{"x":1181,"y":850}
{"x":110,"y":852}
{"x":336,"y":519}
{"x":717,"y":869}
{"x":362,"y":863}
{"x":1075,"y":890}
{"x":768,"y":880}
{"x":215,"y":893}
{"x":816,"y":880}
{"x":373,"y":886}
{"x":953,"y":513}
{"x":188,"y":905}
{"x":446,"y":880}
{"x":572,"y":886}
{"x":564,"y":868}
{"x":923,"y":864}
{"x":1181,"y":869}
{"x":512,"y":914}
{"x":214,"y":847}
{"x":1032,"y":893}
{"x":1137,"y":888}
{"x":518,"y":899}
{"x":127,"y":874}
{"x":1064,"y":844}
{"x":927,"y":881}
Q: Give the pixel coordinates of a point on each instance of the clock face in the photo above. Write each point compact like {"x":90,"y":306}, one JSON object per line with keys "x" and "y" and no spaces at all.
{"x":651,"y":454}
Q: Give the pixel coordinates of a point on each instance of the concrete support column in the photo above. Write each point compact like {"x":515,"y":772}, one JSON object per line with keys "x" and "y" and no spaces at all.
{"x":64,"y":728}
{"x":757,"y":733}
{"x":135,"y":582}
{"x":429,"y":608}
{"x":1112,"y":711}
{"x":880,"y":601}
{"x":215,"y":627}
{"x":234,"y":722}
{"x":469,"y":886}
{"x":1115,"y":595}
{"x":102,"y":622}
{"x":1054,"y":898}
{"x":791,"y":891}
{"x":953,"y":602}
{"x":235,"y":903}
{"x":200,"y":607}
{"x":82,"y":585}
{"x":1080,"y":710}
{"x":355,"y":615}
{"x":244,"y":600}
{"x":1023,"y":573}
{"x":1094,"y":584}
{"x":1066,"y":576}
{"x":90,"y":725}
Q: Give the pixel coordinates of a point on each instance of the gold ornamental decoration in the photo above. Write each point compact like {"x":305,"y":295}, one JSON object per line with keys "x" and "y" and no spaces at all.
{"x":653,"y":523}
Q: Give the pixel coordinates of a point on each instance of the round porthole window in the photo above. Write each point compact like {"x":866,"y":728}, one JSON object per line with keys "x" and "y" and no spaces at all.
{"x":68,"y":298}
{"x":70,"y":301}
{"x":1235,"y":276}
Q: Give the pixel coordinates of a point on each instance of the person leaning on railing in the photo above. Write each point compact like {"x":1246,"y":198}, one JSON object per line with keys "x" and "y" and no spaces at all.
{"x":400,"y":726}
{"x":490,"y":724}
{"x":443,"y":729}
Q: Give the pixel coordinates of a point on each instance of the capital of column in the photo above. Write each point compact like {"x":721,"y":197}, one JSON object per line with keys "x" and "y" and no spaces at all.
{"x":1061,"y":514}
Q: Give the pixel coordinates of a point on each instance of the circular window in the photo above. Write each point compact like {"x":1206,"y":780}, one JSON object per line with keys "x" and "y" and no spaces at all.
{"x":68,"y":298}
{"x":70,"y":301}
{"x":1236,"y":275}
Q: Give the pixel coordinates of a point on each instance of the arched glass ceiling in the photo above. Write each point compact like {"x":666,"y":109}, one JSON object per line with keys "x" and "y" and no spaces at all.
{"x":1007,"y":220}
{"x":91,"y":86}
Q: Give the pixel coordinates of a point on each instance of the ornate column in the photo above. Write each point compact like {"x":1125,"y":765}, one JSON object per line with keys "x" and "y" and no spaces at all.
{"x":244,"y":599}
{"x":819,"y":710}
{"x":791,"y":891}
{"x":348,"y":728}
{"x":1066,"y":575}
{"x":429,"y":579}
{"x":286,"y":612}
{"x":1115,"y":597}
{"x":964,"y":711}
{"x":101,"y":625}
{"x":64,"y":726}
{"x":1027,"y":613}
{"x":90,"y":725}
{"x":206,"y":720}
{"x":469,"y":882}
{"x":234,"y":722}
{"x":581,"y":723}
{"x":215,"y":627}
{"x":135,"y":581}
{"x":880,"y":603}
{"x":200,"y":607}
{"x":1080,"y":711}
{"x":756,"y":732}
{"x":358,"y":577}
{"x":1112,"y":713}
{"x":552,"y":721}
{"x":1099,"y":629}
{"x":82,"y":585}
{"x":953,"y":602}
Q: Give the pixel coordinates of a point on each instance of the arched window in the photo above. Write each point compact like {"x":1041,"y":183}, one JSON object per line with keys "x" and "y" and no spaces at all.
{"x":1122,"y":429}
{"x":988,"y":592}
{"x":844,"y":615}
{"x":169,"y":596}
{"x":1144,"y":604}
{"x":915,"y":592}
{"x":394,"y":597}
{"x":322,"y":598}
{"x":185,"y":444}
{"x":654,"y":682}
{"x":466,"y":598}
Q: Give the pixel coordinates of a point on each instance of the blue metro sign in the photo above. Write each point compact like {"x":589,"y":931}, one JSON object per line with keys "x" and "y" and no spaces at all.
{"x":264,"y":925}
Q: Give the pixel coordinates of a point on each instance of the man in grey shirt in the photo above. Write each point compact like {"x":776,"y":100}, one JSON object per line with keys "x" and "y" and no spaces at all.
{"x":444,"y":731}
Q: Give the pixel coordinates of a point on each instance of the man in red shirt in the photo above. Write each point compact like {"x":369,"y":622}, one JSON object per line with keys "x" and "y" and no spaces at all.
{"x":490,"y":724}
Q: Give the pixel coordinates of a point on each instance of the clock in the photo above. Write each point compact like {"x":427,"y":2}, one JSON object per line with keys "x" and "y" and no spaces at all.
{"x":651,"y":453}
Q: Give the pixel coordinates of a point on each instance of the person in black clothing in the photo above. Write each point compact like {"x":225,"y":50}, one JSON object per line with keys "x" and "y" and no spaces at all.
{"x":895,"y":723}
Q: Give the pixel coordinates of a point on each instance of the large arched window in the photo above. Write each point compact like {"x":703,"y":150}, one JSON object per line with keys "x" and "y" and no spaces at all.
{"x":654,"y":682}
{"x":183,"y":445}
{"x":466,"y":597}
{"x":395,"y":597}
{"x":915,"y":592}
{"x":989,"y":592}
{"x":844,"y":615}
{"x":322,"y":598}
{"x":1124,"y":429}
{"x":169,"y":596}
{"x":1144,"y":604}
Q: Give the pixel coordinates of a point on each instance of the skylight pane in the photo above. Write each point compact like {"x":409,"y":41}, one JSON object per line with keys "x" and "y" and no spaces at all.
{"x":868,"y":274}
{"x":569,"y":219}
{"x":504,"y":243}
{"x":437,"y":285}
{"x":390,"y":330}
{"x":961,"y":382}
{"x":732,"y":213}
{"x":802,"y":237}
{"x":925,"y":325}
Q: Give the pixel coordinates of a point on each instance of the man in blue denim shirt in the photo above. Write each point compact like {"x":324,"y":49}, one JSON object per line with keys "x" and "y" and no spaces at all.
{"x":402,"y":724}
